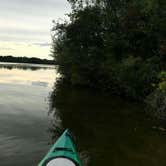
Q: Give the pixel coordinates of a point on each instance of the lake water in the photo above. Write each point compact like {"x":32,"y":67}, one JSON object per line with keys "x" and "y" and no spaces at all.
{"x":108,"y":130}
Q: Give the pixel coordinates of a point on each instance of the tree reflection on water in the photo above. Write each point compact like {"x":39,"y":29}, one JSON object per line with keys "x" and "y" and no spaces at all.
{"x":25,"y":66}
{"x":108,"y":130}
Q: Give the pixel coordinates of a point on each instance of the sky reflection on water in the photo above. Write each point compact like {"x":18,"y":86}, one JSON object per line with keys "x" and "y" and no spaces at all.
{"x":25,"y":74}
{"x":24,"y":106}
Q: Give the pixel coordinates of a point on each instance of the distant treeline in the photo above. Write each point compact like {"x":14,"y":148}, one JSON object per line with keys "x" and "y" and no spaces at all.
{"x":25,"y":60}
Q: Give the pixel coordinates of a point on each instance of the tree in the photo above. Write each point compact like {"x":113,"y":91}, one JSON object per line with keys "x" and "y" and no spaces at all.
{"x":113,"y":45}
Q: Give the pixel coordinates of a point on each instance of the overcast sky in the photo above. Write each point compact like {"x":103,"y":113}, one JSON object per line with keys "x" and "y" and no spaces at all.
{"x":25,"y":26}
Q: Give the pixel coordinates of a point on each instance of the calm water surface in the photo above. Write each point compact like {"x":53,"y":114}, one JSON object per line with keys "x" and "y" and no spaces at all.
{"x":24,"y":90}
{"x":108,"y":130}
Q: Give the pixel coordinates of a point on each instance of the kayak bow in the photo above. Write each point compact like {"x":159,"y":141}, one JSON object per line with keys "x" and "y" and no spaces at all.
{"x":62,"y":153}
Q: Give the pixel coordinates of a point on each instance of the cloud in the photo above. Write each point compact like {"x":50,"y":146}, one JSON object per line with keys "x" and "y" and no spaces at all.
{"x":46,"y":44}
{"x":6,"y":48}
{"x":24,"y":49}
{"x":30,"y":22}
{"x":23,"y":9}
{"x":40,"y":83}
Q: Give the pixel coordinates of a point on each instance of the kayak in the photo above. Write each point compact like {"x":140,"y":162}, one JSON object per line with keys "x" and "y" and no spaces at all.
{"x":62,"y":153}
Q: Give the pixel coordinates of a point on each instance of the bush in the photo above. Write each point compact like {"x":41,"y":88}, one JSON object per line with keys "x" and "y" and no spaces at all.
{"x":157,"y":100}
{"x":116,"y":46}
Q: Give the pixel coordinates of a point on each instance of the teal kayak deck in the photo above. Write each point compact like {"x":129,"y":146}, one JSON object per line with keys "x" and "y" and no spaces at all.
{"x":65,"y":148}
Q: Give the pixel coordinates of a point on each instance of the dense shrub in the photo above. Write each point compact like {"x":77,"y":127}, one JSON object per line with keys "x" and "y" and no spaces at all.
{"x":157,"y":99}
{"x":117,"y":46}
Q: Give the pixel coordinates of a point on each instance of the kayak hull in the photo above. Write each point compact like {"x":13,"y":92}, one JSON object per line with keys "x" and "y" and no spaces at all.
{"x":60,"y":162}
{"x":63,"y":148}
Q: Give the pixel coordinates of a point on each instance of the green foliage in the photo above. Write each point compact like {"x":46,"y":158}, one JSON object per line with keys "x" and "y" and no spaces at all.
{"x":117,"y":46}
{"x":135,"y":76}
{"x":157,"y":99}
{"x":162,"y":83}
{"x":75,"y":47}
{"x":156,"y":103}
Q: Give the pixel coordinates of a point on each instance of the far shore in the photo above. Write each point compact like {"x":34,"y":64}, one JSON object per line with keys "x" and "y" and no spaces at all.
{"x":26,"y":60}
